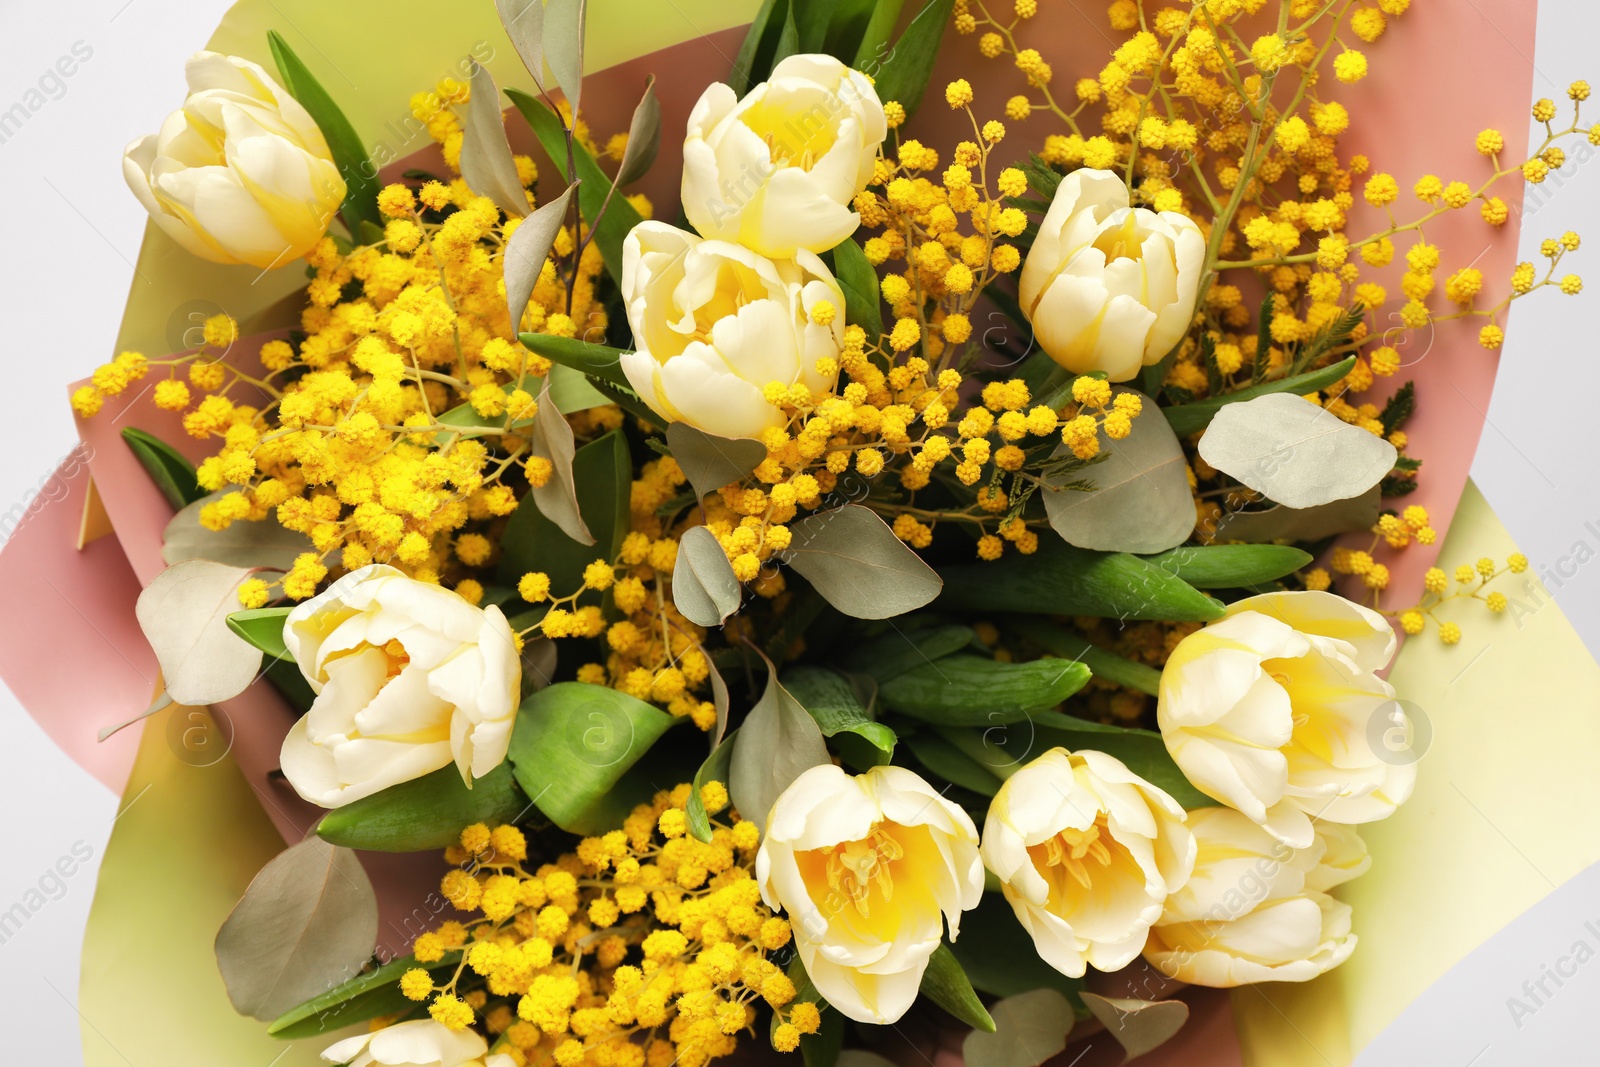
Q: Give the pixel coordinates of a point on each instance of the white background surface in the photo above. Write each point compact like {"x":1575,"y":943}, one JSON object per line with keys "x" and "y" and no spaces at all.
{"x":71,"y":233}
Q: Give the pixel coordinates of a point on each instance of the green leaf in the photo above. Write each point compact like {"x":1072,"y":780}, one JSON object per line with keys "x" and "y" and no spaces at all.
{"x":872,"y":50}
{"x":945,"y":983}
{"x":425,"y":813}
{"x":755,"y":54}
{"x":855,"y":561}
{"x":344,"y":144}
{"x":286,"y":678}
{"x":172,"y":473}
{"x":263,"y":628}
{"x":1030,"y":1028}
{"x":712,"y":462}
{"x":602,"y":471}
{"x":838,"y":705}
{"x":571,"y":746}
{"x":788,"y":37}
{"x":999,"y":957}
{"x":897,"y":650}
{"x":1059,"y":579}
{"x":714,"y":769}
{"x":810,"y":19}
{"x":860,"y":285}
{"x":1059,"y":641}
{"x":704,"y":587}
{"x":620,"y":216}
{"x":1231,"y":566}
{"x":1186,"y":419}
{"x":965,"y":690}
{"x":1144,"y":752}
{"x":597,"y":361}
{"x":366,"y":996}
{"x":949,"y":762}
{"x":1138,"y":1025}
{"x":1394,"y":414}
{"x":846,"y":25}
{"x":904,"y":74}
{"x":777,"y":743}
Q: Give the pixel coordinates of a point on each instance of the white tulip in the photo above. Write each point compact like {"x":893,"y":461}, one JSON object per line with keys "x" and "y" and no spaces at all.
{"x":1273,"y":710}
{"x":240,"y":174}
{"x":713,"y":323}
{"x":1256,"y":910}
{"x":777,"y":171}
{"x":1086,"y":852}
{"x":1109,"y":287}
{"x":417,"y":1043}
{"x":409,"y":677}
{"x":865,"y":866}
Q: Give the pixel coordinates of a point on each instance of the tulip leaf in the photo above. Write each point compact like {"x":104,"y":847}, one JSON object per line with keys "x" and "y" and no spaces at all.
{"x":564,"y":26}
{"x":896,"y":651}
{"x":873,"y":49}
{"x":855,"y":561}
{"x":557,"y":499}
{"x":602,"y":473}
{"x":712,"y":462}
{"x":940,"y":756}
{"x":1139,"y":500}
{"x":366,"y":996}
{"x":527,"y":250}
{"x":425,"y":813}
{"x":524,"y":23}
{"x":486,"y":162}
{"x":1296,"y":453}
{"x":778,"y":742}
{"x":821,"y":1049}
{"x":999,"y":957}
{"x":644,"y":136}
{"x":967,"y":690}
{"x":1143,"y":751}
{"x":1059,"y":579}
{"x":840,"y":704}
{"x":309,"y":917}
{"x":344,"y":144}
{"x":610,"y":228}
{"x":573,"y":743}
{"x":1232,"y":566}
{"x":904,"y":74}
{"x":762,"y":37}
{"x":946,"y":984}
{"x":263,"y":629}
{"x":286,"y":678}
{"x":714,"y":769}
{"x":860,"y":285}
{"x":1302,"y":524}
{"x":1029,"y":1028}
{"x":597,"y":361}
{"x":704,"y":587}
{"x":858,"y":1057}
{"x":172,"y":473}
{"x":1191,"y":418}
{"x":1139,"y":1026}
{"x":184,"y":615}
{"x":263,"y":543}
{"x":1108,"y":666}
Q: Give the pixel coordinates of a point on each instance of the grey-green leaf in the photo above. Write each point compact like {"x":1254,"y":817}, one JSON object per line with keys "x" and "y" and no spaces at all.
{"x":644,"y":136}
{"x":184,"y":615}
{"x":244,"y":543}
{"x":1138,"y":1025}
{"x":1191,"y":418}
{"x":524,"y":23}
{"x":703,"y":584}
{"x":714,"y":769}
{"x":858,"y":565}
{"x":486,"y":161}
{"x":1029,"y":1028}
{"x":601,"y":475}
{"x":1140,"y":501}
{"x":778,"y":742}
{"x":528,"y":249}
{"x":712,"y":462}
{"x":1302,"y":524}
{"x":557,"y":498}
{"x":309,"y":918}
{"x":564,"y":24}
{"x":1295,"y":452}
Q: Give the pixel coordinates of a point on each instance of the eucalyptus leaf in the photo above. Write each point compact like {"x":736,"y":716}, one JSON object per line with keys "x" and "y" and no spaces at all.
{"x":524,"y":23}
{"x":366,"y":996}
{"x":564,"y":25}
{"x":712,"y":462}
{"x":1140,"y":501}
{"x":1029,"y":1028}
{"x":1139,"y":1026}
{"x":904,"y":74}
{"x":644,"y":136}
{"x":1232,"y":566}
{"x":184,"y":615}
{"x":967,"y":690}
{"x":263,"y":629}
{"x":704,"y":587}
{"x":855,"y":561}
{"x":946,"y":984}
{"x":1295,"y":452}
{"x":308,"y":920}
{"x":837,"y":703}
{"x":528,"y":249}
{"x":714,"y":769}
{"x":602,"y":475}
{"x":345,"y":146}
{"x":778,"y":741}
{"x":162,"y":700}
{"x":1302,"y":524}
{"x":557,"y":498}
{"x":860,"y":285}
{"x":425,"y":813}
{"x":571,"y":746}
{"x":172,"y":473}
{"x":1191,"y":418}
{"x":264,"y":544}
{"x":486,"y":161}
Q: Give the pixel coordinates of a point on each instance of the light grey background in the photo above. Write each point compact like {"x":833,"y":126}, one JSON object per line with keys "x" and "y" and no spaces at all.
{"x":71,"y":233}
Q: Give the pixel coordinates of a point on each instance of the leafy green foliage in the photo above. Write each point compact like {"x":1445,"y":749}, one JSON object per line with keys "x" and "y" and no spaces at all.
{"x":344,"y":144}
{"x":425,"y":813}
{"x":172,"y":473}
{"x":602,"y":473}
{"x":1194,"y":417}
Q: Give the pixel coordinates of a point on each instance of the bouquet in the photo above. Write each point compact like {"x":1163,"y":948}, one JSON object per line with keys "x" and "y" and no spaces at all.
{"x":937,"y":564}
